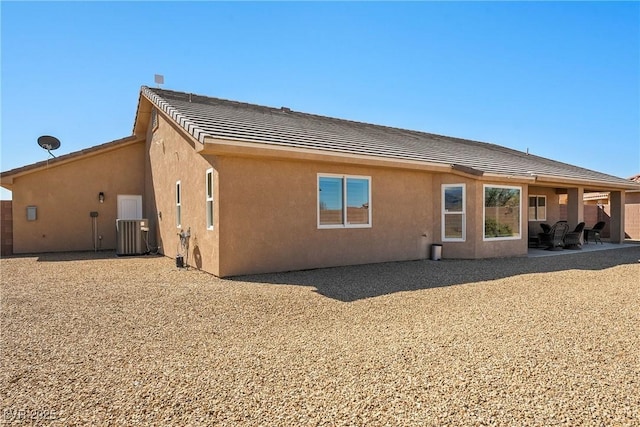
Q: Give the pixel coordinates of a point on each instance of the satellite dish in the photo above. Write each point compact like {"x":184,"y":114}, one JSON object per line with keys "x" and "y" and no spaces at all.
{"x":49,"y":143}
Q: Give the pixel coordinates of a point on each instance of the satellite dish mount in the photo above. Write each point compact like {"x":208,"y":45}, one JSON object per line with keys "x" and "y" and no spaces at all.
{"x":49,"y":143}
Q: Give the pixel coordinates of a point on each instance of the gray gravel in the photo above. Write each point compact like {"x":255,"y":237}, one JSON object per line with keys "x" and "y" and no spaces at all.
{"x":100,"y":340}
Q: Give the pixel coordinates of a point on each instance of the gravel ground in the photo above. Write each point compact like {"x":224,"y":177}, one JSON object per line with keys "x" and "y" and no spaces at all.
{"x":100,"y":340}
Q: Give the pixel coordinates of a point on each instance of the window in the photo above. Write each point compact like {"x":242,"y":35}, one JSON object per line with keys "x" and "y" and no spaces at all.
{"x":178,"y":205}
{"x":209,"y":198}
{"x":501,"y":212}
{"x":453,"y":213}
{"x":344,"y":201}
{"x":537,"y":208}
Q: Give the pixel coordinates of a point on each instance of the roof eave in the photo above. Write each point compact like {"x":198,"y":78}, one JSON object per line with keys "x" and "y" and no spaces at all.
{"x":594,"y":185}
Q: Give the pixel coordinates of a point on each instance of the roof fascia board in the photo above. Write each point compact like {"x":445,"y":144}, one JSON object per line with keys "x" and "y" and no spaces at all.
{"x":491,"y":176}
{"x":593,"y":185}
{"x":143,"y":116}
{"x":222,"y":147}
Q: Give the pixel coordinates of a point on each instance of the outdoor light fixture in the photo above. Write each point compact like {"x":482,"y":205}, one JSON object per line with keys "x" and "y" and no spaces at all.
{"x":101,"y":197}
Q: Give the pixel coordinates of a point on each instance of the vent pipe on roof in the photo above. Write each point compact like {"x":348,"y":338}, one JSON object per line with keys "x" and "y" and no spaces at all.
{"x":189,"y":97}
{"x":285,"y":109}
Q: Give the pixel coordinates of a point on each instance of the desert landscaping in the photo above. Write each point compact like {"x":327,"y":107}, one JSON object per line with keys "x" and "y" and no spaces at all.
{"x":93,"y":339}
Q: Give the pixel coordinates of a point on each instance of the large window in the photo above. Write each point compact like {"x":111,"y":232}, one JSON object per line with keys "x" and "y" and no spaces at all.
{"x":344,"y":201}
{"x":453,"y":213}
{"x":501,"y":212}
{"x":178,"y":205}
{"x":209,"y":198}
{"x":537,"y":208}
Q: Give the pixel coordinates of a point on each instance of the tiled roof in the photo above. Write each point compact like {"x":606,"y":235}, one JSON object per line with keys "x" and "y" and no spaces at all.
{"x":204,"y":117}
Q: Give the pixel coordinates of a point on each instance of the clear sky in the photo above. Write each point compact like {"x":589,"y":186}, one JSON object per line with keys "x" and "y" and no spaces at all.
{"x":559,"y":79}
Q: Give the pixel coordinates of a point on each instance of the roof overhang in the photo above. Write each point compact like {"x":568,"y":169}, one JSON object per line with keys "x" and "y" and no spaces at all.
{"x":589,"y":186}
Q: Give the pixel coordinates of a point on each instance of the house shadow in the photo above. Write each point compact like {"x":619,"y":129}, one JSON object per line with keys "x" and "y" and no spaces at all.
{"x":79,"y":256}
{"x":353,"y":283}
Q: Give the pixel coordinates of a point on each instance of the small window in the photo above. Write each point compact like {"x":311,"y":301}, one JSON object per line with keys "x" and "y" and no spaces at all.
{"x":501,"y":212}
{"x":537,"y":208}
{"x":178,"y":205}
{"x":32,"y":213}
{"x":209,"y":198}
{"x":453,"y":213}
{"x":344,"y":201}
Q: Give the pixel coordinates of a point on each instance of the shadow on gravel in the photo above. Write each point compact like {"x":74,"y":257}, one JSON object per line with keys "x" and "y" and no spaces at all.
{"x":78,"y":256}
{"x":353,"y":283}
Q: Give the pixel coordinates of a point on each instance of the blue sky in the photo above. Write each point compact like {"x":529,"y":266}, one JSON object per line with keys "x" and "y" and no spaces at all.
{"x":559,"y":79}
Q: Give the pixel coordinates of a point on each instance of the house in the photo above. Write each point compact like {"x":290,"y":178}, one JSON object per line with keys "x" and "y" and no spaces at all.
{"x":264,"y":189}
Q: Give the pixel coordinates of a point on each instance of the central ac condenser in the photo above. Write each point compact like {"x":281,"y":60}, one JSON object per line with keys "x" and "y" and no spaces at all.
{"x":130,"y":237}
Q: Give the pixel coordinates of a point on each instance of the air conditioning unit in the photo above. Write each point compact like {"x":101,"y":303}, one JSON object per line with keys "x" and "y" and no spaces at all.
{"x":130,"y":237}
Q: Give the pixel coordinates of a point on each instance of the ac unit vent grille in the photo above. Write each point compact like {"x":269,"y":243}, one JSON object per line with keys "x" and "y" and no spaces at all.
{"x":129,"y":236}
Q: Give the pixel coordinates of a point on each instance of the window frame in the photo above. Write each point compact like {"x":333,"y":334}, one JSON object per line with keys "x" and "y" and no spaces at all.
{"x":178,"y":204}
{"x":345,"y":223}
{"x":463,"y":213}
{"x":537,"y":207}
{"x":209,"y":203}
{"x":484,"y":212}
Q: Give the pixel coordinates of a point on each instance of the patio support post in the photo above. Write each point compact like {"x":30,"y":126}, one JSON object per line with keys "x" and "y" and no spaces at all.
{"x":616,"y":223}
{"x":575,"y":206}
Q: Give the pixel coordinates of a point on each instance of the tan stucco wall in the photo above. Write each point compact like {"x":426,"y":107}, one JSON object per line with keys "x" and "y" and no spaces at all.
{"x":268,"y":217}
{"x":170,"y":157}
{"x":65,"y":195}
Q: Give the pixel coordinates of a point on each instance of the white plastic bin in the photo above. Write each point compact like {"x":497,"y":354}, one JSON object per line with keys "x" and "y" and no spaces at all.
{"x":436,"y":252}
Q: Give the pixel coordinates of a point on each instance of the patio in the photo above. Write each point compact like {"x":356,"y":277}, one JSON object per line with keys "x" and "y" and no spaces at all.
{"x":591,"y":247}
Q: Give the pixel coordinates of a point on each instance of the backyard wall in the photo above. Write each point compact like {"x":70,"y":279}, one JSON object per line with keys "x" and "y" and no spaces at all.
{"x":592,"y":215}
{"x":632,"y":215}
{"x":6,"y":228}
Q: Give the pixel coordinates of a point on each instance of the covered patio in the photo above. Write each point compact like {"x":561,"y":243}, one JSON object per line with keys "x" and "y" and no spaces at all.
{"x":606,"y":245}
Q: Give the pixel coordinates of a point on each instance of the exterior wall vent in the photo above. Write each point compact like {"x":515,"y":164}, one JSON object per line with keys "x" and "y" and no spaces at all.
{"x":130,"y":237}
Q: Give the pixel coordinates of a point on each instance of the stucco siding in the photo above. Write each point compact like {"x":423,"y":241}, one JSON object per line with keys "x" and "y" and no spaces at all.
{"x":269,"y":218}
{"x":171,"y":158}
{"x":65,"y":194}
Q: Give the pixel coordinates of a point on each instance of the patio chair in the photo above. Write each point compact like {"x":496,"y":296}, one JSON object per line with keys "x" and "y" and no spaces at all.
{"x":595,"y":232}
{"x":545,"y":227}
{"x":573,"y":239}
{"x":554,"y":239}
